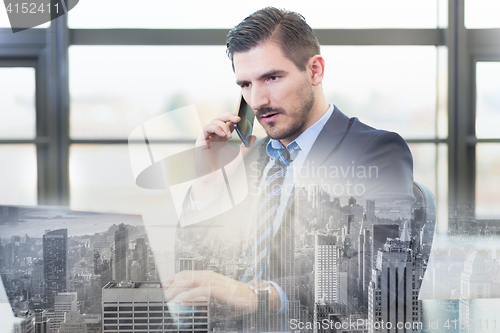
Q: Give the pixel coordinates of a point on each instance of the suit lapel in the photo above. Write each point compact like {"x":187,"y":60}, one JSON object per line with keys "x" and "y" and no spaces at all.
{"x":328,"y":139}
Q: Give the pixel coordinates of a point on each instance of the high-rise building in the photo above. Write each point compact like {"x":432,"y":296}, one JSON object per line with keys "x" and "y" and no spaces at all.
{"x":326,"y":278}
{"x":73,"y":323}
{"x":63,"y":302}
{"x":102,"y":264}
{"x":326,"y":269}
{"x":380,"y":233}
{"x":42,"y":322}
{"x":190,"y":264}
{"x":392,"y":295}
{"x":475,"y":282}
{"x":365,"y":263}
{"x":93,"y":322}
{"x":9,"y":214}
{"x":102,"y":257}
{"x":141,"y":259}
{"x":55,"y":249}
{"x":37,"y":278}
{"x":121,"y":251}
{"x":140,"y":306}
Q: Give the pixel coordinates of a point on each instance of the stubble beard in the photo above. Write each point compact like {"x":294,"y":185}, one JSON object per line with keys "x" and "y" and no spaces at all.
{"x":298,"y":117}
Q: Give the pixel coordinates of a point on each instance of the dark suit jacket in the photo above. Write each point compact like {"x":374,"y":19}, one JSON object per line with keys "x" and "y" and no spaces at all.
{"x":347,"y":161}
{"x":378,"y":166}
{"x":381,"y":160}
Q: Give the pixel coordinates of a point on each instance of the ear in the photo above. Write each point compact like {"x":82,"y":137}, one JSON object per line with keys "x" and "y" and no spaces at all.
{"x":316,"y":68}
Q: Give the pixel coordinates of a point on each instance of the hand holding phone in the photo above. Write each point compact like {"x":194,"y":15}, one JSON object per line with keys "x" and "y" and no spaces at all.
{"x":213,"y":151}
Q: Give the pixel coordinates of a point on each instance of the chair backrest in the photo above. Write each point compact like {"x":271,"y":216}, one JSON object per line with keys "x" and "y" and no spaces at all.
{"x":423,"y":226}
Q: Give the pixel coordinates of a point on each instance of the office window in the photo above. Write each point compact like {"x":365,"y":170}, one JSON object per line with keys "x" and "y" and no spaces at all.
{"x":425,"y":162}
{"x":388,"y":87}
{"x":115,"y":89}
{"x":18,"y":167}
{"x":487,"y":99}
{"x":487,"y":154}
{"x":480,"y":14}
{"x":193,"y":14}
{"x":430,"y":168}
{"x":101,"y":178}
{"x":17,"y":112}
{"x":392,"y":88}
{"x":487,"y":180}
{"x":112,"y":93}
{"x":401,"y":89}
{"x":18,"y":174}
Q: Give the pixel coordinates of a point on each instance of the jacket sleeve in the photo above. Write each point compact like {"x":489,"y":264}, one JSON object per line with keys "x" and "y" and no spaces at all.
{"x":388,"y":168}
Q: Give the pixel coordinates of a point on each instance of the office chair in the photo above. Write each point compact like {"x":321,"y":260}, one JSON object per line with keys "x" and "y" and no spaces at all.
{"x":422,"y":228}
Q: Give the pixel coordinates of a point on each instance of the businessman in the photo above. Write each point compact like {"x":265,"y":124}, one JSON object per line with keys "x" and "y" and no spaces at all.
{"x":310,"y":144}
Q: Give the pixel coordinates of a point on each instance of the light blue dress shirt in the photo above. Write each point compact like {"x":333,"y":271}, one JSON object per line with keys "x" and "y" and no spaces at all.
{"x":305,"y":141}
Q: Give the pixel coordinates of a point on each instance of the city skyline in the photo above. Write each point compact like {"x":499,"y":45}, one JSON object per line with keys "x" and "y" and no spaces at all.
{"x":340,"y":292}
{"x":40,"y":273}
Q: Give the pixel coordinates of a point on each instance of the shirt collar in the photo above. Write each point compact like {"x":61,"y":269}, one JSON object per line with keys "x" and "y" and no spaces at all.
{"x":305,"y":140}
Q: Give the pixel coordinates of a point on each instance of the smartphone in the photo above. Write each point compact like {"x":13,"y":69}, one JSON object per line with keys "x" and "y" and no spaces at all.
{"x":244,"y":127}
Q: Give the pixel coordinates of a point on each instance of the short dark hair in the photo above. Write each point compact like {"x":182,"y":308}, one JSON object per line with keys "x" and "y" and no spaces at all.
{"x":287,"y":29}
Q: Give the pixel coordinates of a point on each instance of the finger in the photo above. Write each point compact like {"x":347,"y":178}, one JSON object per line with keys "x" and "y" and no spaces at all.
{"x":186,"y":281}
{"x":176,"y":288}
{"x":170,"y":281}
{"x":200,"y":299}
{"x":193,"y":294}
{"x":231,"y":127}
{"x":228,"y":117}
{"x":211,"y":129}
{"x":227,"y":127}
{"x":226,"y":121}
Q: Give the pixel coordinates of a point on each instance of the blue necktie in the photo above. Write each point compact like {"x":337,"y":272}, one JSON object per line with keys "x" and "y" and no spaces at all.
{"x":256,"y":263}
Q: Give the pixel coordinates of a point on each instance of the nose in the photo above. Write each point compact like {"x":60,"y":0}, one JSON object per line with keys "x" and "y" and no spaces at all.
{"x":259,"y":97}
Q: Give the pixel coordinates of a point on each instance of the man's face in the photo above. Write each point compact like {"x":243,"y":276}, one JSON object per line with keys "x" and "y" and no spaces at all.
{"x":280,"y":94}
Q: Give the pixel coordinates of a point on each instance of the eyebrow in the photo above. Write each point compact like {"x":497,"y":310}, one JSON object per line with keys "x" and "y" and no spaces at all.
{"x":273,"y":72}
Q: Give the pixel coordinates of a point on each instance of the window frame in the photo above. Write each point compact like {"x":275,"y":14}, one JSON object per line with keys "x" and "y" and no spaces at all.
{"x":47,"y":50}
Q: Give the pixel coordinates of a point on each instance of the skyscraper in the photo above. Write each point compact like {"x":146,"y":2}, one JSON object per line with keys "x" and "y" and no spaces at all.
{"x":42,"y":323}
{"x":380,"y":233}
{"x":63,"y":302}
{"x":121,"y":247}
{"x":73,"y":323}
{"x":190,"y":264}
{"x":141,"y":257}
{"x":326,"y":274}
{"x":140,"y":306}
{"x":474,"y":283}
{"x":9,"y":214}
{"x":392,"y":296}
{"x":326,"y":278}
{"x":364,"y":266}
{"x":55,"y":249}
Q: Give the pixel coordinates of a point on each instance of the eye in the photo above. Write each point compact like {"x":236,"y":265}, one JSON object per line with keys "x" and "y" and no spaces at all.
{"x":273,"y":78}
{"x":245,"y":85}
